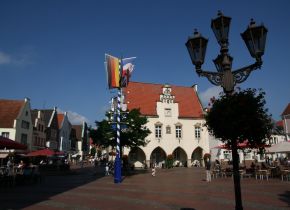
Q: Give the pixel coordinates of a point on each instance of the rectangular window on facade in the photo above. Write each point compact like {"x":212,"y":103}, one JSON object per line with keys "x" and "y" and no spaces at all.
{"x":24,"y":124}
{"x":24,"y":139}
{"x":197,"y":132}
{"x":5,"y":134}
{"x":178,"y":131}
{"x":53,"y":133}
{"x":158,"y":131}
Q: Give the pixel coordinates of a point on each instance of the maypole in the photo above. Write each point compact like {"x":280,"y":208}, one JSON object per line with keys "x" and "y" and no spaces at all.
{"x":118,"y":74}
{"x":117,"y":168}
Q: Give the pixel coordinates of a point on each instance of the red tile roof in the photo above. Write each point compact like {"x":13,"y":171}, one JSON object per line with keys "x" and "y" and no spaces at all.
{"x":280,"y":123}
{"x":9,"y":110}
{"x":60,"y":118}
{"x":145,"y":95}
{"x":286,"y":110}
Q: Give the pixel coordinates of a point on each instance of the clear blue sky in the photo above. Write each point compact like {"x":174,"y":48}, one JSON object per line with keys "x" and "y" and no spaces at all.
{"x":52,"y":51}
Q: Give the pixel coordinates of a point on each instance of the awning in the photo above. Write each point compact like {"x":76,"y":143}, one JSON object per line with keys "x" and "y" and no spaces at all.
{"x":282,"y":147}
{"x":10,"y":144}
{"x":241,"y":145}
{"x":42,"y":152}
{"x":3,"y":156}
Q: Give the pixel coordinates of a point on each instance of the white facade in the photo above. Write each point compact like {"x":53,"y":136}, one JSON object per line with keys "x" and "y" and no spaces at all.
{"x":246,"y":154}
{"x":286,"y":125}
{"x":64,"y":134}
{"x":186,"y":138}
{"x":22,"y":126}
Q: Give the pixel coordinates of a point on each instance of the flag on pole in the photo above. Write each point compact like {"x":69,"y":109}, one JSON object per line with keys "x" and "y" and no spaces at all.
{"x":128,"y":67}
{"x":113,"y":71}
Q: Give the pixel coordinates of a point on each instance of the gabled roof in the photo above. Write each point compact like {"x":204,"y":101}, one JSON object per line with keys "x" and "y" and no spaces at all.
{"x":47,"y":114}
{"x":60,"y":118}
{"x":78,"y":129}
{"x":9,"y":111}
{"x":34,"y":114}
{"x":280,"y":123}
{"x":286,"y":110}
{"x":145,"y":95}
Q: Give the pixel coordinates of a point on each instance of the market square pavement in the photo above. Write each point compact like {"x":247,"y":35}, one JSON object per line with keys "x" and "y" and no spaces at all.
{"x":177,"y":189}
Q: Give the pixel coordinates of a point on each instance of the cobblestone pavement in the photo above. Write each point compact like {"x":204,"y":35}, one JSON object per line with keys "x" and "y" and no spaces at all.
{"x":177,"y":188}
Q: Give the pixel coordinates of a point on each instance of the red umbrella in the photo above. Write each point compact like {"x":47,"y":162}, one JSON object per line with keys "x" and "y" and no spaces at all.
{"x":60,"y":153}
{"x":42,"y":152}
{"x":10,"y":144}
{"x":241,"y":145}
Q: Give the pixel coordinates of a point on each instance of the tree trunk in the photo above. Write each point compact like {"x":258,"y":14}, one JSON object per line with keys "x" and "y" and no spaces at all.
{"x":236,"y":174}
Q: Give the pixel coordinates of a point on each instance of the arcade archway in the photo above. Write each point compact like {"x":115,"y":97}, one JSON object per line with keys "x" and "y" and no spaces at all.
{"x":180,"y":157}
{"x":196,"y":157}
{"x":157,"y":157}
{"x":137,"y":157}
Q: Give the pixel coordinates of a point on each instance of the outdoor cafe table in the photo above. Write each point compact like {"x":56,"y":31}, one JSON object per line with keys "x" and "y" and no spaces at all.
{"x":261,"y":173}
{"x":286,"y":173}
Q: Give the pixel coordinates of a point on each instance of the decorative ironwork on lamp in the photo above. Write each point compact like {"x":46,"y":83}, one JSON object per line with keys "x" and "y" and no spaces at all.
{"x":255,"y":39}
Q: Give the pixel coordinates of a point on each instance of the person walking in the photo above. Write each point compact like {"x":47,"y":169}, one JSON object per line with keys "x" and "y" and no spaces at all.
{"x":107,"y":173}
{"x":154,"y":170}
{"x":207,"y":167}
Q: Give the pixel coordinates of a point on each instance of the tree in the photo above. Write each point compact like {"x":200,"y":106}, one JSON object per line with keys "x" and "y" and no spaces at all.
{"x":132,"y":136}
{"x":238,"y":117}
{"x":93,"y":151}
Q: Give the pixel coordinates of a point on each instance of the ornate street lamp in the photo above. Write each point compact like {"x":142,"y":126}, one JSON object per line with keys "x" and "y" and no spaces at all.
{"x":255,"y":39}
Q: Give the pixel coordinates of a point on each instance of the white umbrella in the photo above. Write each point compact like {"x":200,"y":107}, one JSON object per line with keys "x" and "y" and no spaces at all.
{"x":283,"y":147}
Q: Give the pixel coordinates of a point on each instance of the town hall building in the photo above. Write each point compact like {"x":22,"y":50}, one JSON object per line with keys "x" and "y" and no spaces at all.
{"x":176,"y":121}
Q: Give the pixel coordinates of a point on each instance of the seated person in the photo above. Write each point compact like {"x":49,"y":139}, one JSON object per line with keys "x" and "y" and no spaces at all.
{"x":263,"y":166}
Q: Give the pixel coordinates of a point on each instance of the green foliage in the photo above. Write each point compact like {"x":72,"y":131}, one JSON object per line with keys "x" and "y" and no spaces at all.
{"x":136,"y":132}
{"x":169,"y":161}
{"x":93,"y":151}
{"x":133,"y":136}
{"x":103,"y":135}
{"x":240,"y":116}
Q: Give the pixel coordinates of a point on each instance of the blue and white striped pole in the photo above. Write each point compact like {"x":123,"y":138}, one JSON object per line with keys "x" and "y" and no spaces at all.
{"x":117,"y":168}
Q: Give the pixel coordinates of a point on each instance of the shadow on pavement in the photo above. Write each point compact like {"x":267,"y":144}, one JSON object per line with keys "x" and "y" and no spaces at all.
{"x":285,"y":197}
{"x":52,"y":184}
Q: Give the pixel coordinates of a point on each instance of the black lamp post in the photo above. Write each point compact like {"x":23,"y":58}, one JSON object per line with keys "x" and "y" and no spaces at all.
{"x":255,"y":39}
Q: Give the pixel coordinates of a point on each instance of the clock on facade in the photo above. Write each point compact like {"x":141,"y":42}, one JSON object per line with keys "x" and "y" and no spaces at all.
{"x":167,"y":112}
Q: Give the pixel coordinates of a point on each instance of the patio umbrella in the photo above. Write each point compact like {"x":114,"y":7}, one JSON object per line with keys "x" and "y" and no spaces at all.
{"x":10,"y":144}
{"x":42,"y":152}
{"x":282,"y":147}
{"x":241,"y":145}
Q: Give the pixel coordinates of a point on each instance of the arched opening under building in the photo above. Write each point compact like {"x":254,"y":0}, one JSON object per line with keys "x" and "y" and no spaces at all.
{"x":180,"y":157}
{"x":158,"y":157}
{"x":196,"y":157}
{"x":137,"y":157}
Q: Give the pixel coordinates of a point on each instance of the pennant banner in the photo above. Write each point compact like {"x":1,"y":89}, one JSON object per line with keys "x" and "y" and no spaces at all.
{"x":113,"y":73}
{"x":115,"y":77}
{"x":128,"y":67}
